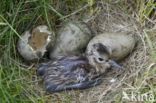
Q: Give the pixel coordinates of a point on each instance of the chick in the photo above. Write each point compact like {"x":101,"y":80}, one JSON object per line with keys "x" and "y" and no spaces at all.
{"x":72,"y":38}
{"x":32,"y":45}
{"x":67,"y":73}
{"x":104,"y":50}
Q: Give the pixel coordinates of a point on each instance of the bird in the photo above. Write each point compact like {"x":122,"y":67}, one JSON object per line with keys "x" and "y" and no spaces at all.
{"x":108,"y":48}
{"x":33,"y":44}
{"x":68,"y":73}
{"x":72,"y":38}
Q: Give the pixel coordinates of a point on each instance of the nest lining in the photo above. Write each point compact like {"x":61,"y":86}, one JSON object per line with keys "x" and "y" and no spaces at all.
{"x":113,"y":19}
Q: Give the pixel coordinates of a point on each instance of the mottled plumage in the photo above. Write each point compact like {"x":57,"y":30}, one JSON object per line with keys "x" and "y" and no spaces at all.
{"x":106,"y":48}
{"x":68,"y":72}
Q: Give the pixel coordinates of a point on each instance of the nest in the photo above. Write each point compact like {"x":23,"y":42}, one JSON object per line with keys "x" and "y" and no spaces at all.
{"x":112,"y":18}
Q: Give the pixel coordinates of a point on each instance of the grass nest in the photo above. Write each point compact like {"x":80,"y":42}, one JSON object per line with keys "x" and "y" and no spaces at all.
{"x":138,"y":76}
{"x":138,"y":73}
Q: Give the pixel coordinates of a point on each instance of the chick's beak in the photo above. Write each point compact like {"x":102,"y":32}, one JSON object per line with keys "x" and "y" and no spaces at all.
{"x":115,"y":65}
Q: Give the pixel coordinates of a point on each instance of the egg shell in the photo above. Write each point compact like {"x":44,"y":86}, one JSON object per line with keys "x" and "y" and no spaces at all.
{"x":121,"y":44}
{"x":105,"y":49}
{"x":32,"y":45}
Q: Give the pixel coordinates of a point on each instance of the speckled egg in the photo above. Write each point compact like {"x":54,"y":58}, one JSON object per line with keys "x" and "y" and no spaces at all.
{"x":72,"y":38}
{"x":32,"y":45}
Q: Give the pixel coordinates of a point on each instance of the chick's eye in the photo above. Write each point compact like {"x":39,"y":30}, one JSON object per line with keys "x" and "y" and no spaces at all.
{"x":100,"y":59}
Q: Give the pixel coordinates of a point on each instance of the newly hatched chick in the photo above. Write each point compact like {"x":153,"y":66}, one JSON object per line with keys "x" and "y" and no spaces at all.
{"x":72,"y":38}
{"x":33,"y":44}
{"x":68,"y":72}
{"x":105,"y":49}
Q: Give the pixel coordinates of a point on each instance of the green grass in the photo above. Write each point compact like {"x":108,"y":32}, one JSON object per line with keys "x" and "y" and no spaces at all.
{"x":16,"y":16}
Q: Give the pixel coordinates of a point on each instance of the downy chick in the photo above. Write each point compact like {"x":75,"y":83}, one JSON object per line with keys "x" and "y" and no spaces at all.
{"x":105,"y":49}
{"x":67,"y":73}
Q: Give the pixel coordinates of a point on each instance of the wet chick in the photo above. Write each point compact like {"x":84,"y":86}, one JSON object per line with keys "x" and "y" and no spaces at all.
{"x":33,"y":44}
{"x":104,"y":50}
{"x":68,"y":72}
{"x":72,"y":38}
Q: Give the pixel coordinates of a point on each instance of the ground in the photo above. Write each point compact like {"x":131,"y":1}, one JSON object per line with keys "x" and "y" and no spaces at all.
{"x":18,"y":80}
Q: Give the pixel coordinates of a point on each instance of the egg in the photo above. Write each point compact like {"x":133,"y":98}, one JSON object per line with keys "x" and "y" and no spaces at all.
{"x":68,"y":73}
{"x":105,"y":49}
{"x":72,"y":38}
{"x":32,"y":45}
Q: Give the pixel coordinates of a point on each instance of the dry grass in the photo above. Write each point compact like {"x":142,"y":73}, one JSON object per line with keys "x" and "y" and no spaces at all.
{"x":139,"y":67}
{"x":135,"y":17}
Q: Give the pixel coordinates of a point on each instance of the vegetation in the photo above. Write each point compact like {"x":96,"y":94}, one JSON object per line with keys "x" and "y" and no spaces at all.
{"x":18,"y":84}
